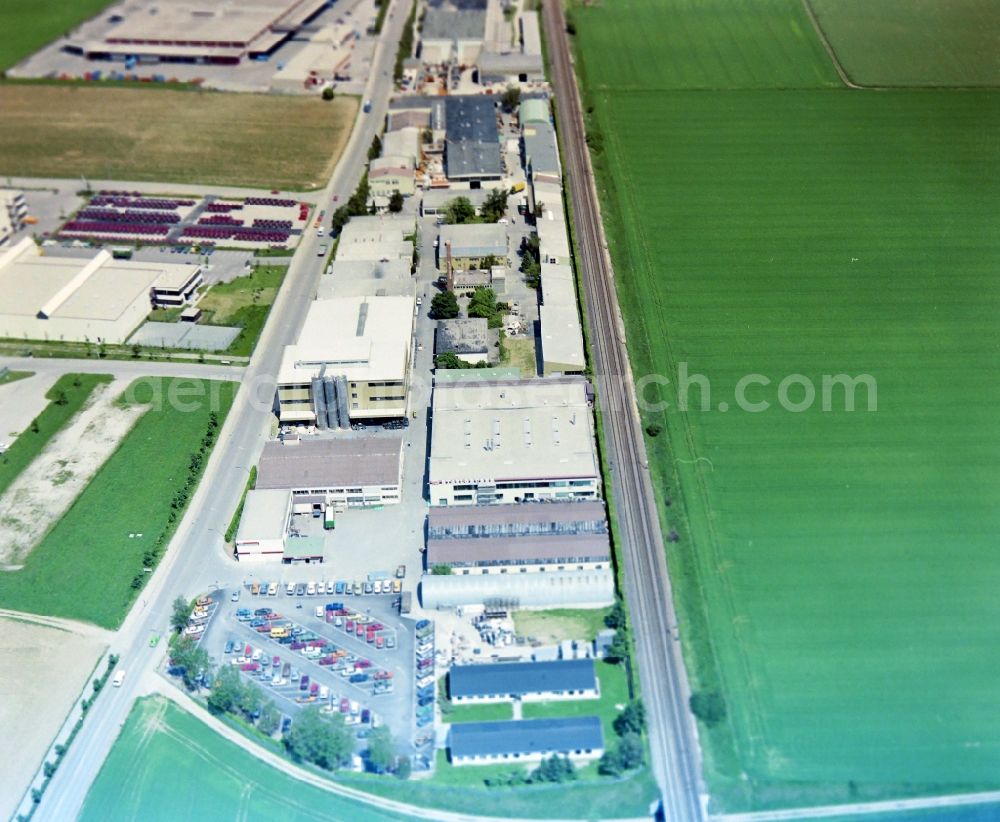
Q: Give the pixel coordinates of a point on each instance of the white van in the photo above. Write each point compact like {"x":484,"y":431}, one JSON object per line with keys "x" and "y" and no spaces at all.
{"x":119,"y":678}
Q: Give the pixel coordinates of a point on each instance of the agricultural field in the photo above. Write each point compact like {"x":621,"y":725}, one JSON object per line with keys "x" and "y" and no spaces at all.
{"x":162,"y":746}
{"x":914,"y":42}
{"x":168,"y":135}
{"x":39,"y":23}
{"x":836,"y":569}
{"x":90,"y":564}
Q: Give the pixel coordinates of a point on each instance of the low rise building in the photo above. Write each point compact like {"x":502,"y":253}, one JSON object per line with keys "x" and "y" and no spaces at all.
{"x":378,"y":238}
{"x":518,"y":538}
{"x":553,"y":589}
{"x":263,"y":524}
{"x":512,"y":441}
{"x":561,"y":334}
{"x":472,"y":147}
{"x":526,"y":741}
{"x":448,"y":34}
{"x":523,"y":681}
{"x":351,"y":362}
{"x":403,"y":142}
{"x":467,"y":246}
{"x":435,"y":202}
{"x":338,"y":472}
{"x":391,"y":173}
{"x":541,"y":153}
{"x":534,"y":109}
{"x":468,"y":339}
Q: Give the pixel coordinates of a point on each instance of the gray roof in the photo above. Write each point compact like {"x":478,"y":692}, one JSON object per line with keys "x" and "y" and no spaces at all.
{"x":454,"y":24}
{"x":540,"y":151}
{"x":264,"y":515}
{"x":512,"y":679}
{"x":566,"y":548}
{"x":553,"y":589}
{"x":527,"y":736}
{"x":518,"y":516}
{"x":474,"y":240}
{"x":331,"y":463}
{"x":473,"y":143}
{"x":466,"y":336}
{"x":464,"y":160}
{"x":440,"y":197}
{"x":491,"y":63}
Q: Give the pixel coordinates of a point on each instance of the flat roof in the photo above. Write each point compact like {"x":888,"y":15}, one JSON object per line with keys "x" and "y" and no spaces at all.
{"x":520,"y":678}
{"x":519,"y":549}
{"x":450,"y":375}
{"x":512,"y":430}
{"x":526,"y":736}
{"x":553,"y":589}
{"x":511,"y":63}
{"x":474,"y":239}
{"x":531,"y":37}
{"x":561,"y":330}
{"x":402,"y":141}
{"x":265,"y":515}
{"x":462,"y":336}
{"x":98,"y":288}
{"x":521,"y":513}
{"x":304,"y":547}
{"x":363,"y":338}
{"x":342,"y":462}
{"x":453,"y":24}
{"x":553,"y":237}
{"x":540,"y":149}
{"x":473,"y":140}
{"x":440,"y":197}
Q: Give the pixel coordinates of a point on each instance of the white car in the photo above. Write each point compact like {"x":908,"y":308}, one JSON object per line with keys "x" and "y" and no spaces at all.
{"x":319,"y":612}
{"x":330,"y":587}
{"x":290,"y":589}
{"x":311,"y":589}
{"x":119,"y":678}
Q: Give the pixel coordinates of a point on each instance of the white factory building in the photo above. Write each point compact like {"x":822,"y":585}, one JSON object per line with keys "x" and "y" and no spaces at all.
{"x":512,"y":441}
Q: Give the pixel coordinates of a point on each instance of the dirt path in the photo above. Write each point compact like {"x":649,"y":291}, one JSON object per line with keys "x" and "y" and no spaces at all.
{"x":47,"y":487}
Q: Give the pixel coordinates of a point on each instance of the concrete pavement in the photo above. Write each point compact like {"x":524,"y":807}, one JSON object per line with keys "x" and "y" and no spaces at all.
{"x":123,"y":369}
{"x":197,"y":557}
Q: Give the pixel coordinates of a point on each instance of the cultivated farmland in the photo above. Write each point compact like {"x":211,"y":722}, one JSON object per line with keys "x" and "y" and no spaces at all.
{"x":90,"y":565}
{"x":836,"y":570}
{"x":914,"y":42}
{"x":166,"y":135}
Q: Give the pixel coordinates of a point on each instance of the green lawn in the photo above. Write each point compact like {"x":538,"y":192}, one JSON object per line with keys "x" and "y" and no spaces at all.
{"x":914,"y":42}
{"x":836,"y":571}
{"x":478,"y":713}
{"x":244,"y":302}
{"x":85,"y":566}
{"x":14,"y":376}
{"x":73,"y":389}
{"x":29,"y":26}
{"x":558,"y":624}
{"x":162,"y":747}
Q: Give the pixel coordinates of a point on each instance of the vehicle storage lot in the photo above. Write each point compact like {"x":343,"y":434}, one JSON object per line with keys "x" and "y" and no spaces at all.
{"x":322,"y":651}
{"x":45,"y":669}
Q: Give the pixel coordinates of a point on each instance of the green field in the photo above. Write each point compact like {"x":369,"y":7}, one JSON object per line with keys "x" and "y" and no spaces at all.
{"x":72,"y":391}
{"x":163,"y":748}
{"x":84,"y":567}
{"x":914,"y":42}
{"x":836,"y":572}
{"x":29,"y":26}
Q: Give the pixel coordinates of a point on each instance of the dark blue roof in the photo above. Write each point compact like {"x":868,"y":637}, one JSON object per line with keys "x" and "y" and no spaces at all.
{"x":519,"y":678}
{"x":473,"y":140}
{"x":527,"y":736}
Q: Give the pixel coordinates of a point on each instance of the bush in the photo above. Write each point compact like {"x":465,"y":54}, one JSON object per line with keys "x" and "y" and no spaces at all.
{"x":654,"y":430}
{"x":328,"y":94}
{"x":708,"y":706}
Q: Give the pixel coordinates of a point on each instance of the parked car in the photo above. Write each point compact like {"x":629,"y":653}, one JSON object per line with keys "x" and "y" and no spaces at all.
{"x":319,"y":612}
{"x":272,"y":589}
{"x":330,"y":587}
{"x":339,"y":588}
{"x":368,"y":588}
{"x":400,"y":571}
{"x":397,"y":586}
{"x":229,"y":647}
{"x":378,"y":586}
{"x":311,"y":589}
{"x":235,"y":596}
{"x":300,"y":589}
{"x":356,"y":678}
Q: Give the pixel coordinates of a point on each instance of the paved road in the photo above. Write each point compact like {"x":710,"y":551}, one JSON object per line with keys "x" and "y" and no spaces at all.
{"x":673,"y":737}
{"x":123,"y":369}
{"x":197,"y":556}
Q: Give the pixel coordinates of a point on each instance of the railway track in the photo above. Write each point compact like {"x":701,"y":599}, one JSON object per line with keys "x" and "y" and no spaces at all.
{"x":673,"y":737}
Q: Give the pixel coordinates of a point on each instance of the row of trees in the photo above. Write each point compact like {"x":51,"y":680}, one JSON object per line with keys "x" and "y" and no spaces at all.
{"x":554,"y":769}
{"x":629,"y":752}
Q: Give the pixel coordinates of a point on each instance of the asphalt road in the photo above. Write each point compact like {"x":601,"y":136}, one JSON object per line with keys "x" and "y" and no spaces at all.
{"x":123,"y":369}
{"x":197,"y":556}
{"x":673,"y":738}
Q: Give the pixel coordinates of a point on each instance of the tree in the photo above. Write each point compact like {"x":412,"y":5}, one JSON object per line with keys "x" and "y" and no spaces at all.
{"x":396,"y":202}
{"x":632,"y":720}
{"x":510,"y":98}
{"x":404,"y":767}
{"x":323,"y":740}
{"x":250,"y":701}
{"x":328,"y":93}
{"x":381,"y":751}
{"x":339,"y":218}
{"x":180,"y":612}
{"x":616,"y":617}
{"x":227,"y":691}
{"x":654,"y":430}
{"x":458,"y":211}
{"x":441,"y":570}
{"x":554,"y":769}
{"x":375,"y":149}
{"x":270,"y":718}
{"x":444,"y":306}
{"x":61,"y":398}
{"x":708,"y":706}
{"x":187,"y":655}
{"x":495,"y":206}
{"x":631,"y":752}
{"x":618,"y":650}
{"x":448,"y":361}
{"x":484,"y":305}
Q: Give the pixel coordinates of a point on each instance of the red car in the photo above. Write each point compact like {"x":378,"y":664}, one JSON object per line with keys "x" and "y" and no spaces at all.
{"x":345,"y":705}
{"x":250,"y":666}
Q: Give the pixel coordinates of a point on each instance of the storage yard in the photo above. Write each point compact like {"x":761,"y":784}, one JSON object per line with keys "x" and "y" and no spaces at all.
{"x":166,"y":135}
{"x":800,"y":232}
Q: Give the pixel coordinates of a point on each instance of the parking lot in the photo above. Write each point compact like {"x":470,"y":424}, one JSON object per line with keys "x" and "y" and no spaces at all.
{"x":351,"y":654}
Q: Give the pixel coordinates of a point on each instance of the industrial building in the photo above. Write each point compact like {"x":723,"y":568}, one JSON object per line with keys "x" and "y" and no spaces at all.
{"x":561,"y":335}
{"x":553,"y":235}
{"x":518,"y":538}
{"x":452,"y":34}
{"x":263,"y":524}
{"x":534,"y":110}
{"x":100,"y":299}
{"x":464,"y":247}
{"x":511,"y":67}
{"x":367,"y":278}
{"x":541,"y":153}
{"x":526,"y":741}
{"x":378,"y":238}
{"x":326,"y":57}
{"x":339,"y":472}
{"x":472,"y":145}
{"x":435,"y":202}
{"x":13,"y":213}
{"x":466,"y":338}
{"x":523,"y":681}
{"x":180,"y":31}
{"x":419,"y":111}
{"x":555,"y":589}
{"x":351,"y":362}
{"x":512,"y":441}
{"x":405,"y":142}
